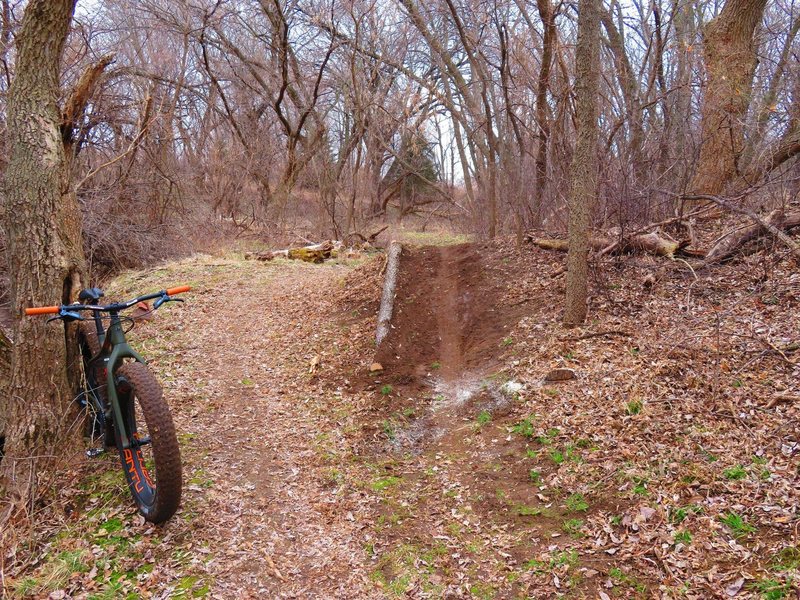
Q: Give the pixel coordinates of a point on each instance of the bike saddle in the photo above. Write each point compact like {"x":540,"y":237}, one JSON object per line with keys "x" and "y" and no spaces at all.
{"x":93,"y":294}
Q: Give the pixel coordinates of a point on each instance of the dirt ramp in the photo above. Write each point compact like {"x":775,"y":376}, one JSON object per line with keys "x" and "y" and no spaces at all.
{"x":446,"y":321}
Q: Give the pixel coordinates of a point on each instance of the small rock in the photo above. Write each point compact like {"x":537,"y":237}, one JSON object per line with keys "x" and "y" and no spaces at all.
{"x":560,"y":375}
{"x":375,"y":367}
{"x":733,"y":589}
{"x":646,"y":512}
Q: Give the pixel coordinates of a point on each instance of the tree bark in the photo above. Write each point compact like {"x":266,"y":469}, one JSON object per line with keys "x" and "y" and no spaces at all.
{"x":45,"y":257}
{"x":389,"y":291}
{"x":5,"y":376}
{"x":547,"y":14}
{"x":584,"y":161}
{"x":730,"y":60}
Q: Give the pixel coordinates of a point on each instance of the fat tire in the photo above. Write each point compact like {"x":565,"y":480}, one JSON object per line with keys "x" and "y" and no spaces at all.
{"x":165,"y":451}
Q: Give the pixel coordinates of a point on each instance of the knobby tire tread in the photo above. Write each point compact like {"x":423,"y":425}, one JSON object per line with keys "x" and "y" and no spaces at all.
{"x":166,"y":453}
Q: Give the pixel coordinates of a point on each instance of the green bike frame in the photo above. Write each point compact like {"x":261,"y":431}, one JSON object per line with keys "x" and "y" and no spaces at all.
{"x":113,"y":340}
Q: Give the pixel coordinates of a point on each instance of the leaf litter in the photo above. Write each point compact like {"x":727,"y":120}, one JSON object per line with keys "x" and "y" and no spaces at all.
{"x":666,"y":465}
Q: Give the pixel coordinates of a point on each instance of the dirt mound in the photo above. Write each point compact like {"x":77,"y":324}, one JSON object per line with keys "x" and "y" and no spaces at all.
{"x":445,"y":344}
{"x":445,"y":318}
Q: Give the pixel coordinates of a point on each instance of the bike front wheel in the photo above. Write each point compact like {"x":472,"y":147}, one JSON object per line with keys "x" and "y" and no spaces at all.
{"x":152,"y":464}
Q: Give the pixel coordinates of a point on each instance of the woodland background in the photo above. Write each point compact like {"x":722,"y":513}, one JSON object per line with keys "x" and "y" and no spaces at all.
{"x":187,"y":120}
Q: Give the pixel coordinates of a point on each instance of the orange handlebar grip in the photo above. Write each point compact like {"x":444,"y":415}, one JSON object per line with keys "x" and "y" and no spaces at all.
{"x":178,"y":290}
{"x":42,"y":310}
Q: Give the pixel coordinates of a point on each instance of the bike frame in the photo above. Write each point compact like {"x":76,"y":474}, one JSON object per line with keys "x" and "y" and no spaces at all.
{"x":114,"y":348}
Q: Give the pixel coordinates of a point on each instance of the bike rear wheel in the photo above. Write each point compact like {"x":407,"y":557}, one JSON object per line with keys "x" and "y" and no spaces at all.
{"x":152,"y":464}
{"x":91,"y":393}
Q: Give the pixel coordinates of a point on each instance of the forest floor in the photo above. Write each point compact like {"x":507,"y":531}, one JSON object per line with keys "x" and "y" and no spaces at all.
{"x":669,"y":466}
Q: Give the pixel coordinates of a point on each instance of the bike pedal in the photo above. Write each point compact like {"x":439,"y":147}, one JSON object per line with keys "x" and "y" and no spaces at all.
{"x":95,"y":452}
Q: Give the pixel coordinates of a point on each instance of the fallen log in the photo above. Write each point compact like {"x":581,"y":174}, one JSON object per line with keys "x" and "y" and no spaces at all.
{"x":315,"y":253}
{"x":650,"y":243}
{"x":595,"y":243}
{"x":389,"y":290}
{"x":776,"y":223}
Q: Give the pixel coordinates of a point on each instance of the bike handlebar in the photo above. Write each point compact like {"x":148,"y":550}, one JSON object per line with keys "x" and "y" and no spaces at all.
{"x":42,"y":310}
{"x":46,"y":310}
{"x":178,"y":290}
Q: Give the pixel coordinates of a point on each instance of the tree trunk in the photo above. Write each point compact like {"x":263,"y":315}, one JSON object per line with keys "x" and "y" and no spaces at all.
{"x":584,"y":161}
{"x":547,"y":14}
{"x":45,"y":257}
{"x":730,"y":59}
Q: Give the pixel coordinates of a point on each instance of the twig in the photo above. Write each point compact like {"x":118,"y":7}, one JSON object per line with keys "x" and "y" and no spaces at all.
{"x":586,"y":336}
{"x":781,"y":398}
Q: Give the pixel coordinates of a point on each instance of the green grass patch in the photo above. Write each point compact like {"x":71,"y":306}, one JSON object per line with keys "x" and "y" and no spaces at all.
{"x":524,"y":510}
{"x":381,"y":484}
{"x":619,"y":578}
{"x":634,"y":407}
{"x":576,"y":503}
{"x":772,"y":589}
{"x":683,"y":536}
{"x":787,"y":559}
{"x":573,"y":527}
{"x":737,"y":525}
{"x":735,"y":473}
{"x":524,"y":428}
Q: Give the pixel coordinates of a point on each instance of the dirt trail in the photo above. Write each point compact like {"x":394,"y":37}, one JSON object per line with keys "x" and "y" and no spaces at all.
{"x":275,"y":529}
{"x":307,"y":477}
{"x":448,"y":317}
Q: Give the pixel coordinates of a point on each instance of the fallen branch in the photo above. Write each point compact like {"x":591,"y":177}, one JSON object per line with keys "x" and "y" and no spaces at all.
{"x":650,"y":243}
{"x":647,"y":228}
{"x":389,"y":290}
{"x":776,"y":223}
{"x":370,"y":239}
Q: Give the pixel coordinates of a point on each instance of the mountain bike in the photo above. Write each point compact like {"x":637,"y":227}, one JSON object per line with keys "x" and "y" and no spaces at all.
{"x":122,"y":400}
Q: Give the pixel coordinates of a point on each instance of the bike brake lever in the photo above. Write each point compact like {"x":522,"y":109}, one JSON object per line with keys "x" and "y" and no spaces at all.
{"x":67,"y":315}
{"x":164,"y":299}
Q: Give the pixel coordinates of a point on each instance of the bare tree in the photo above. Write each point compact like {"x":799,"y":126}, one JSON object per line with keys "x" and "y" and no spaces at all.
{"x":584,"y":162}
